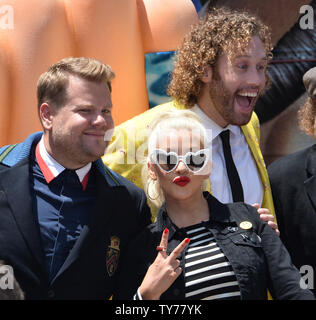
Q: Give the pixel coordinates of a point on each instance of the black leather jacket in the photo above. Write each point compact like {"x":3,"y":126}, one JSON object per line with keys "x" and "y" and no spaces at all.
{"x":258,"y":257}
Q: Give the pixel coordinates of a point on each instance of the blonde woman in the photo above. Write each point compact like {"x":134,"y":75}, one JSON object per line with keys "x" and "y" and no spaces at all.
{"x":206,"y":249}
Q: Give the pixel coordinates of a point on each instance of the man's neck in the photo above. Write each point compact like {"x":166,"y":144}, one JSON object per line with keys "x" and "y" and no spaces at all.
{"x":206,"y":105}
{"x":61,"y":160}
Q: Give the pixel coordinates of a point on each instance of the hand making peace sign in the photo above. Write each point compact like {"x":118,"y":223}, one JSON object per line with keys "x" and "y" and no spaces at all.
{"x":163,"y":271}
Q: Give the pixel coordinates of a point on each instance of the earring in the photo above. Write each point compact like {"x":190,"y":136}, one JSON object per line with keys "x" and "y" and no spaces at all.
{"x":151,"y":181}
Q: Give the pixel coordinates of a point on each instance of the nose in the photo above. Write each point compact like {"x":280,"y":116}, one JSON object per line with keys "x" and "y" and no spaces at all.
{"x":98,"y":120}
{"x":181,"y":167}
{"x":256,"y":77}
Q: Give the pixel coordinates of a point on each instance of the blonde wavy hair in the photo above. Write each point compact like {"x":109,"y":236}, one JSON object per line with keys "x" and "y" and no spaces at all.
{"x":307,"y":117}
{"x":222,"y":30}
{"x":163,"y":122}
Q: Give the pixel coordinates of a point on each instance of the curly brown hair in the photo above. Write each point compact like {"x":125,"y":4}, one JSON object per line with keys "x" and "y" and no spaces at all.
{"x":307,"y":116}
{"x":222,"y":30}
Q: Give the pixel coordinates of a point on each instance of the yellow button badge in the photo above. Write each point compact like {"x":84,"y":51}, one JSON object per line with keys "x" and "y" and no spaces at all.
{"x":246,"y":225}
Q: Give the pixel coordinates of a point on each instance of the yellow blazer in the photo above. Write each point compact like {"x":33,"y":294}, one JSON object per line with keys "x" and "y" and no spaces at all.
{"x":127,"y":151}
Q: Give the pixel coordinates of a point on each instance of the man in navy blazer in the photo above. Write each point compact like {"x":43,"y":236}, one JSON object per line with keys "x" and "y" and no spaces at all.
{"x":293,"y":183}
{"x":66,"y":219}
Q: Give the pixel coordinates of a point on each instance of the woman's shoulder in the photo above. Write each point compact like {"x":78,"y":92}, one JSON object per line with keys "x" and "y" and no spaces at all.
{"x":243,"y":210}
{"x":234,"y":212}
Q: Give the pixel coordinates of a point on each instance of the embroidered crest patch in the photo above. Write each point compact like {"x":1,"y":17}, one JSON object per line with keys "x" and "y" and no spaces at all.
{"x":112,"y":255}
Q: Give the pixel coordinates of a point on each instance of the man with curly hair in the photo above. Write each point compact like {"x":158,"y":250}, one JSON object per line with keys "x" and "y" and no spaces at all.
{"x":220,"y":72}
{"x":293,"y":183}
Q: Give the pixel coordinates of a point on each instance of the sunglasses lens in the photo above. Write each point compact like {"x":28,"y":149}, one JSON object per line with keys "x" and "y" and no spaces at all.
{"x":167,"y":161}
{"x":196,"y":161}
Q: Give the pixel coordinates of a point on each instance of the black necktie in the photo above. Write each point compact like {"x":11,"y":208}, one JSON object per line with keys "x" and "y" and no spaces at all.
{"x":234,"y":180}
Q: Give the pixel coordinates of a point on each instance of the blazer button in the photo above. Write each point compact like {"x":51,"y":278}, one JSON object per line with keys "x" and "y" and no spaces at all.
{"x":50,"y":294}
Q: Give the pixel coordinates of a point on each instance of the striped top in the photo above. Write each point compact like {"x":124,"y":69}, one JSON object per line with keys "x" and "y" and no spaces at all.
{"x":208,"y":273}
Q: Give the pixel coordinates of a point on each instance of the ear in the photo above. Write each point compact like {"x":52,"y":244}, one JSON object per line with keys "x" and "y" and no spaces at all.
{"x":207,"y":75}
{"x":151,"y":170}
{"x":46,"y":114}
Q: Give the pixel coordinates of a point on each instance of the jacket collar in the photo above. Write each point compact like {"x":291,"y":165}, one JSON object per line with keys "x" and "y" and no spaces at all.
{"x":219,"y":213}
{"x":22,"y":152}
{"x":311,"y":161}
{"x":310,"y":182}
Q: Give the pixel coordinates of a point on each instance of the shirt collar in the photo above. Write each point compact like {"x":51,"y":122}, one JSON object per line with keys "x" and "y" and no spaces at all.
{"x":52,"y":169}
{"x":208,"y":123}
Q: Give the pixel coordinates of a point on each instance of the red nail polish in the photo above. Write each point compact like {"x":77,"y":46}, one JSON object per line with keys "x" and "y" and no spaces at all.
{"x":166,"y":230}
{"x":187,"y":240}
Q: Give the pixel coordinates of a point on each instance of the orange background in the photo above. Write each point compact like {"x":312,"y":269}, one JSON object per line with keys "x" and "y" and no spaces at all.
{"x":118,"y":32}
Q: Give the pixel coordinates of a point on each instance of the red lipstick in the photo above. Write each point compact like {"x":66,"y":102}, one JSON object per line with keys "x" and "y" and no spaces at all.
{"x":181,"y":181}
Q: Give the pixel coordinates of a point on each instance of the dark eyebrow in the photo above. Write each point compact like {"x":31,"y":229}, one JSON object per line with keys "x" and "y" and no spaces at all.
{"x":109,"y":106}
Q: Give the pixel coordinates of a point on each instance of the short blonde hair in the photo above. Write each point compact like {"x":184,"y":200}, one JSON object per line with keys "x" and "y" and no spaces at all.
{"x":52,"y":84}
{"x":165,"y":121}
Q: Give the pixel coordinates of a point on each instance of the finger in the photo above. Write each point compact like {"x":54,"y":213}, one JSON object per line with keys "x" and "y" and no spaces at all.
{"x":267,"y":217}
{"x":256,"y":205}
{"x":175,"y":264}
{"x":273,"y":225}
{"x":176,"y":252}
{"x":164,"y":241}
{"x":177,"y":271}
{"x":263,"y":211}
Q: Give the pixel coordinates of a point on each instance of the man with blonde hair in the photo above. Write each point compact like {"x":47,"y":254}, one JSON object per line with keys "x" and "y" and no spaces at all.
{"x":61,"y":208}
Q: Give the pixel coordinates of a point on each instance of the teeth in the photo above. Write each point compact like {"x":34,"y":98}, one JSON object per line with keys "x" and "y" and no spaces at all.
{"x":248,"y":94}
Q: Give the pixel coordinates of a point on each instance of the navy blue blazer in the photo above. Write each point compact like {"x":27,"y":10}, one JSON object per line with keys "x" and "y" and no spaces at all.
{"x":293,"y":184}
{"x":90,"y":270}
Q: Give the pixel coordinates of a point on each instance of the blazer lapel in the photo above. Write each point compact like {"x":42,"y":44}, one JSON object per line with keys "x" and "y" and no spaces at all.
{"x":310,"y":182}
{"x":20,"y":200}
{"x":253,"y":143}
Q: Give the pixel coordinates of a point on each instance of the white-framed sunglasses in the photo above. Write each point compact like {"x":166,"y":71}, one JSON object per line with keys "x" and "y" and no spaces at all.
{"x":168,"y":161}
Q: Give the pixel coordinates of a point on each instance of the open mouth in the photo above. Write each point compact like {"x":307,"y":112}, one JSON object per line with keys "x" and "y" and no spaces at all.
{"x":181,"y":181}
{"x":246,"y":100}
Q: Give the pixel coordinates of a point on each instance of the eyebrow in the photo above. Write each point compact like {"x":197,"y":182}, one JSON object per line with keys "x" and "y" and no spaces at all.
{"x":247,"y":56}
{"x":109,"y":106}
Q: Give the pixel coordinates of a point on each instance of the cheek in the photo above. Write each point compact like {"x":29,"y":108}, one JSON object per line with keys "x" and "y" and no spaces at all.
{"x":198,"y":180}
{"x":162,"y":178}
{"x":77,"y":123}
{"x":165,"y":181}
{"x":264,"y":82}
{"x":109,"y":122}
